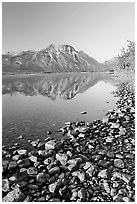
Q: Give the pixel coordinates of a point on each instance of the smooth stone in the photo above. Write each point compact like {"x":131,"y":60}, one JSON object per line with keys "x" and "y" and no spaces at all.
{"x":16,"y":157}
{"x":54,"y":170}
{"x":33,"y":158}
{"x":54,"y":200}
{"x":5,"y":164}
{"x":41,"y":199}
{"x":84,"y":112}
{"x":13,"y":178}
{"x":42,"y":177}
{"x":24,"y":163}
{"x":27,"y":199}
{"x":14,"y":196}
{"x":23,"y":152}
{"x":12,"y":165}
{"x":32,"y":171}
{"x":119,"y":163}
{"x":32,"y":186}
{"x":5,"y":185}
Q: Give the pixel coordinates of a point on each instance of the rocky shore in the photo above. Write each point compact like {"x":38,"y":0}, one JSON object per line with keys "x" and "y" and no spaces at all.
{"x":94,"y":162}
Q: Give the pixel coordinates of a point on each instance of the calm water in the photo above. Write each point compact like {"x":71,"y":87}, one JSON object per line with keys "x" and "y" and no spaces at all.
{"x":33,"y":105}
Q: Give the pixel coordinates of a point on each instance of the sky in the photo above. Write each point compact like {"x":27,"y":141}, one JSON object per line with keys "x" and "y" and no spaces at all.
{"x":98,"y":29}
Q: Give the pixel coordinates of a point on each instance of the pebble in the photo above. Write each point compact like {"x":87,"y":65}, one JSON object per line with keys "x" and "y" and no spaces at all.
{"x":54,"y":170}
{"x":118,"y":163}
{"x":5,"y":185}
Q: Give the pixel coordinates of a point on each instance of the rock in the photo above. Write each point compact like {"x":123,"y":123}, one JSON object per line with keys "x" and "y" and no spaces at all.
{"x":14,"y":196}
{"x":121,"y":131}
{"x":13,"y":178}
{"x":90,"y":171}
{"x":34,"y":143}
{"x":20,"y":137}
{"x":119,"y":163}
{"x":32,"y":186}
{"x":52,"y":187}
{"x":72,"y":167}
{"x":105,"y":120}
{"x":5,"y":185}
{"x":41,"y":199}
{"x":84,"y":112}
{"x":50,"y":145}
{"x":33,"y":158}
{"x":45,"y":153}
{"x":103,"y":173}
{"x":126,"y":199}
{"x":23,"y":152}
{"x":104,"y":163}
{"x":109,"y":139}
{"x":28,"y":199}
{"x":49,"y":132}
{"x":24,"y":163}
{"x":106,"y":186}
{"x":16,"y":157}
{"x":87,"y":165}
{"x":80,"y":175}
{"x":5,"y":164}
{"x":23,"y":170}
{"x":41,"y":146}
{"x":54,"y":200}
{"x":12,"y":165}
{"x":42,"y":177}
{"x":32,"y":171}
{"x":54,"y":170}
{"x":62,"y":158}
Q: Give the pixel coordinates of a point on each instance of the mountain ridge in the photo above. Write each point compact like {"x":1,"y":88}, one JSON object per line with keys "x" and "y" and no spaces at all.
{"x":61,"y":58}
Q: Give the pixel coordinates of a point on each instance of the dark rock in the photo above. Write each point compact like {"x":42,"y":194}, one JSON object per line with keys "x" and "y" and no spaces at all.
{"x":12,"y":165}
{"x":5,"y":165}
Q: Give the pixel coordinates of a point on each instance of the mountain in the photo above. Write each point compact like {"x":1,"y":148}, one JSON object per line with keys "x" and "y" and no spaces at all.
{"x":63,"y":85}
{"x":62,"y":58}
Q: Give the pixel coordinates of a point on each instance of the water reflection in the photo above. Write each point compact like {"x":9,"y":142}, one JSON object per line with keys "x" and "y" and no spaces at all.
{"x":65,"y":86}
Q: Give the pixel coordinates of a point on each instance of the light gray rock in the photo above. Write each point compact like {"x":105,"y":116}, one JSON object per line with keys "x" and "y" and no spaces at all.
{"x":62,"y":158}
{"x":14,"y":196}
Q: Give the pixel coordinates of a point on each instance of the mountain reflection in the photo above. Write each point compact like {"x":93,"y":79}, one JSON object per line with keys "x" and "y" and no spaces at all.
{"x":64,"y":85}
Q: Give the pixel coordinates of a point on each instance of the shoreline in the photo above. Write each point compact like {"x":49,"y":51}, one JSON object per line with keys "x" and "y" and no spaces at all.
{"x":93,"y":162}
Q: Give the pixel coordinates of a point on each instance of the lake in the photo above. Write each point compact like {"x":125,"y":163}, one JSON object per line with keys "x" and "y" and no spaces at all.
{"x":35,"y":104}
